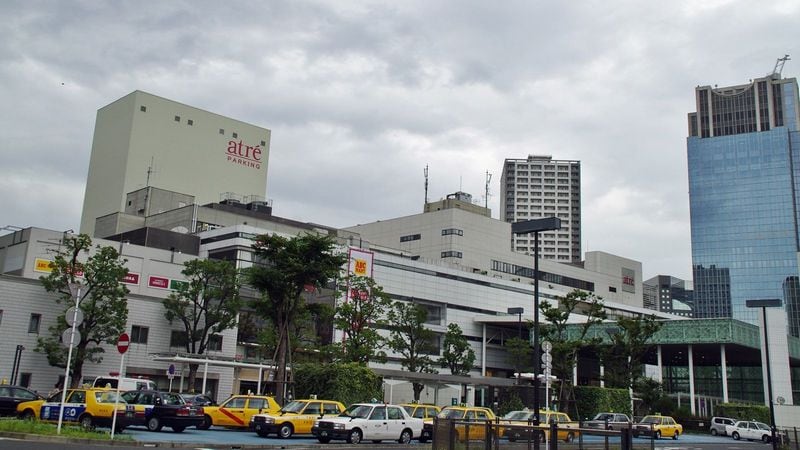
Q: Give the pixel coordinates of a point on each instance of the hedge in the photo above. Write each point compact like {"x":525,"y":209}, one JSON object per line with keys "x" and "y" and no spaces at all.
{"x":591,"y":400}
{"x":348,"y":383}
{"x":743,"y":412}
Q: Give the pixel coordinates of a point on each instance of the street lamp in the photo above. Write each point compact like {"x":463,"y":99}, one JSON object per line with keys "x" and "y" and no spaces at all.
{"x":75,"y":291}
{"x":764,"y":304}
{"x":518,"y":312}
{"x":526,"y":227}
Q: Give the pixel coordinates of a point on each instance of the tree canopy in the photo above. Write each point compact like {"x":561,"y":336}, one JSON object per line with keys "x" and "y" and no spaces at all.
{"x":102,"y":299}
{"x":457,"y":354}
{"x":410,"y":338}
{"x":359,"y":314}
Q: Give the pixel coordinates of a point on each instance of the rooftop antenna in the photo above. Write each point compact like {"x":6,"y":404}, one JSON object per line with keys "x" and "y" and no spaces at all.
{"x":779,"y":65}
{"x":150,"y":171}
{"x":488,"y":180}
{"x":426,"y":184}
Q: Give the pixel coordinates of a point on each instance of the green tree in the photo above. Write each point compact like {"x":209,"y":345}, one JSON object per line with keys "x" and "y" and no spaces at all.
{"x":207,"y":304}
{"x":287,"y":268}
{"x":519,"y":354}
{"x":409,"y":337}
{"x":359,"y":314}
{"x":102,"y":302}
{"x":629,"y":343}
{"x":457,"y":354}
{"x":565,"y":347}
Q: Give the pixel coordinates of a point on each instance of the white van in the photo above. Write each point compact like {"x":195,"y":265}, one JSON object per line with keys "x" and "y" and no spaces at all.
{"x":127,"y":384}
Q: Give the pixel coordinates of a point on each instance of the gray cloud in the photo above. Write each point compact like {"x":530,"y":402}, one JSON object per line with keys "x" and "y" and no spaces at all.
{"x":360,"y":96}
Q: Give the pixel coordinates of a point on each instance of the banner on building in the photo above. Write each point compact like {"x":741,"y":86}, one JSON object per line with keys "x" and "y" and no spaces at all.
{"x":360,"y":262}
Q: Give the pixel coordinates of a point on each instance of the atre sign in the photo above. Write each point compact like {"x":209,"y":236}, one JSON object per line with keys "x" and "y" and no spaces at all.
{"x":244,"y":155}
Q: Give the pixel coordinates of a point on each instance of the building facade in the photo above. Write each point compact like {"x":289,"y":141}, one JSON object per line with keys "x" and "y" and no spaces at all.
{"x":668,"y":294}
{"x":743,"y":154}
{"x":143,"y":140}
{"x":540,"y":186}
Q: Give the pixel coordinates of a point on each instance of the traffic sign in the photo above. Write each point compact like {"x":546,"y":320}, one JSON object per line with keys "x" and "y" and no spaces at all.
{"x":71,"y":314}
{"x":123,"y":342}
{"x":171,"y":371}
{"x":66,"y":337}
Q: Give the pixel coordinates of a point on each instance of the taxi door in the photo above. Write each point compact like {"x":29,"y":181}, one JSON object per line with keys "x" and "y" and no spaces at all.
{"x":480,"y":424}
{"x":303,"y":424}
{"x":377,"y":425}
{"x":74,"y":406}
{"x":232,"y":413}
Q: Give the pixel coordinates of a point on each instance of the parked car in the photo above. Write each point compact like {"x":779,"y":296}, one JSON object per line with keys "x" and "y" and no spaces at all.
{"x":523,"y":419}
{"x":658,"y":426}
{"x":198,"y":399}
{"x":609,"y":421}
{"x":297,"y":417}
{"x":369,"y":421}
{"x":126,"y":383}
{"x":719,"y":424}
{"x":237,"y":410}
{"x":88,"y":407}
{"x":12,"y":396}
{"x":29,"y":410}
{"x":750,"y":430}
{"x":155,"y":409}
{"x":426,"y":413}
{"x":477,"y":414}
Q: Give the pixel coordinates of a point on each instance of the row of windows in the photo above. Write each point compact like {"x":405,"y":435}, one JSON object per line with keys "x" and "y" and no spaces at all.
{"x":451,"y":254}
{"x":178,"y":339}
{"x":190,"y":122}
{"x":528,"y":272}
{"x":449,"y":231}
{"x":411,"y":237}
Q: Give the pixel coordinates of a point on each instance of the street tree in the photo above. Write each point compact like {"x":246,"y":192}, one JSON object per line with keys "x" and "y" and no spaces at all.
{"x":359,"y":314}
{"x":565,"y":347}
{"x":102,"y":299}
{"x":205,"y":305}
{"x":409,"y":337}
{"x":286,"y":268}
{"x":519,"y":354}
{"x":623,"y":359}
{"x":457,"y":354}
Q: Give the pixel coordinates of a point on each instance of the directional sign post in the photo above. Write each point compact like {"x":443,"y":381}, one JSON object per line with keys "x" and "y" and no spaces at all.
{"x":171,"y":375}
{"x":122,"y":346}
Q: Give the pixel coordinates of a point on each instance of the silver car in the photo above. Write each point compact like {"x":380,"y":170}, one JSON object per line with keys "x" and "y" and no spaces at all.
{"x":718,"y":425}
{"x":609,"y":421}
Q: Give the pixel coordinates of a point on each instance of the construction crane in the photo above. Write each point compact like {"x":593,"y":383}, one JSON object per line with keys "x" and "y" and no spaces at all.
{"x":779,"y":65}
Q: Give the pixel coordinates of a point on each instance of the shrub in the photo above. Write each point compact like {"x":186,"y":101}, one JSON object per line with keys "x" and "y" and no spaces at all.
{"x":346,"y":382}
{"x":590,"y":400}
{"x":743,"y":412}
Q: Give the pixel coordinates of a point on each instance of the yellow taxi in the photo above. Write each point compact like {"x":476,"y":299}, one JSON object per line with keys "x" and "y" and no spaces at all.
{"x":657,"y":426}
{"x":88,"y":407}
{"x":424,"y":412}
{"x":475,"y":416}
{"x":237,"y":410}
{"x":521,"y":420}
{"x":295,"y":418}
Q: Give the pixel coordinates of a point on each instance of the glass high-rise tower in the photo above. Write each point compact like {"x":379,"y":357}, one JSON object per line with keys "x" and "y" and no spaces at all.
{"x":744,"y":191}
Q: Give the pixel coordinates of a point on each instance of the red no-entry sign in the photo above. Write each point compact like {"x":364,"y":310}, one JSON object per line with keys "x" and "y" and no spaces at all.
{"x":123,"y":342}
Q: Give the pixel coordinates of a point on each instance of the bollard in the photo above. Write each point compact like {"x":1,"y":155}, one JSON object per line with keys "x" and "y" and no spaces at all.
{"x":553,"y":436}
{"x":625,"y":443}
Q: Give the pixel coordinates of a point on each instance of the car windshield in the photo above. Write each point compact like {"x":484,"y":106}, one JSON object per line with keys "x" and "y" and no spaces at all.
{"x":107,"y":397}
{"x":651,"y":419}
{"x":357,"y":411}
{"x":451,"y":414}
{"x":293,"y":407}
{"x":604,"y":416}
{"x":172,"y":399}
{"x":520,"y":415}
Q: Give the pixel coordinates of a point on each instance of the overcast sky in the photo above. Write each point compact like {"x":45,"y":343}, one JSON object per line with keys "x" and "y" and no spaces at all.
{"x":361,"y":96}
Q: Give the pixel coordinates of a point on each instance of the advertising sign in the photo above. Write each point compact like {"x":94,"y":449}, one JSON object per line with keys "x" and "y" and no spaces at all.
{"x":360,"y":263}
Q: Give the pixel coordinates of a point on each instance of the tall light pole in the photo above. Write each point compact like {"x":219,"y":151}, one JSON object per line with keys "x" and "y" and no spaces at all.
{"x":75,"y":290}
{"x":518,"y":312}
{"x":526,"y":227}
{"x":764,"y":304}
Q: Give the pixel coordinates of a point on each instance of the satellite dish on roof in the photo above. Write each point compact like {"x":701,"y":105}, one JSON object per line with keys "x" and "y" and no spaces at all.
{"x":180,"y":229}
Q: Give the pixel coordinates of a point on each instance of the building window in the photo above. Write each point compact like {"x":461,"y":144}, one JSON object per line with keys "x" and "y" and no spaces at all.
{"x":411,"y":237}
{"x":177,"y":118}
{"x":451,"y":254}
{"x":177,"y":338}
{"x":456,"y":231}
{"x":215,"y":343}
{"x":25,"y":379}
{"x":190,"y":122}
{"x":235,"y":135}
{"x":33,"y":325}
{"x":263,"y":143}
{"x":139,"y":334}
{"x":1,"y":317}
{"x":612,"y":289}
{"x":143,"y":108}
{"x":221,"y":131}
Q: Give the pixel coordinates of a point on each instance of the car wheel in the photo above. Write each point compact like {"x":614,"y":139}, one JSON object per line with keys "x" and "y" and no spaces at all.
{"x":205,"y":424}
{"x":423,"y":439}
{"x":765,"y":438}
{"x":87,"y":422}
{"x":405,"y":437}
{"x":262,"y":432}
{"x":28,"y":415}
{"x":735,"y":435}
{"x":354,"y":437}
{"x":285,"y":431}
{"x":714,"y":432}
{"x":657,"y":435}
{"x":675,"y":436}
{"x":153,"y":424}
{"x":178,"y":429}
{"x":570,"y":437}
{"x":120,"y":428}
{"x":324,"y":440}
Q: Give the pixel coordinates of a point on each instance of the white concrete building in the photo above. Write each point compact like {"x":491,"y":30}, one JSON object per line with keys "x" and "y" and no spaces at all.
{"x":540,"y":186}
{"x":143,"y":140}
